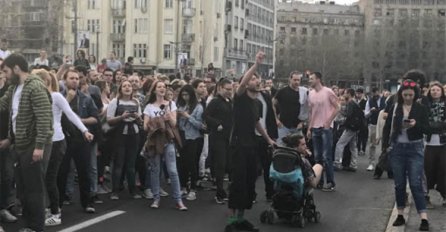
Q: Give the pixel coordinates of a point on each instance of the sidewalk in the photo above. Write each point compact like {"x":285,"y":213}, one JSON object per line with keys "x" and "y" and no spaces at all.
{"x":437,"y":216}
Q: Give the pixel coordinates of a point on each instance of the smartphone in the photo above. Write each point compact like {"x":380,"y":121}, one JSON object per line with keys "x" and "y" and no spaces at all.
{"x":406,"y":120}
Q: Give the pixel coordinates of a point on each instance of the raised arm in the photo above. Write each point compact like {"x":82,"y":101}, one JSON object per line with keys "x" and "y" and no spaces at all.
{"x":248,"y":75}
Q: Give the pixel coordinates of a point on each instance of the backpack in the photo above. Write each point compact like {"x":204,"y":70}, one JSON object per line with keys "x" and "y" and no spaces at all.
{"x":357,"y":120}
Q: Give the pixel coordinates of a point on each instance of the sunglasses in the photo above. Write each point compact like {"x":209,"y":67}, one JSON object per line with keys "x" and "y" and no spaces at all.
{"x":409,"y":83}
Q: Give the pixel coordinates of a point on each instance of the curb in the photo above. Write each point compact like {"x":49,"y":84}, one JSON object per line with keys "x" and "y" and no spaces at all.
{"x":390,"y":227}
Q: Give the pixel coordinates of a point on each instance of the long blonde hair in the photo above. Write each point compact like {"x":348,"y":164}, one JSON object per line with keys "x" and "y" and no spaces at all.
{"x":50,"y":79}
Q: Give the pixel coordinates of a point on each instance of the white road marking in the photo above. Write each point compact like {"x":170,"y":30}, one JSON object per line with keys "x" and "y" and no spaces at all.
{"x":92,"y":221}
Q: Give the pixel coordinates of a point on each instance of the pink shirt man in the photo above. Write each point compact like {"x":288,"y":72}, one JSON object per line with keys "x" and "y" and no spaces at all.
{"x":321,"y":106}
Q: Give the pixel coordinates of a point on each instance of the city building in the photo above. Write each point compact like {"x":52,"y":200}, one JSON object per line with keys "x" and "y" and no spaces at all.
{"x":260,"y":33}
{"x":165,"y":36}
{"x":403,"y":35}
{"x":32,"y":25}
{"x":321,"y":37}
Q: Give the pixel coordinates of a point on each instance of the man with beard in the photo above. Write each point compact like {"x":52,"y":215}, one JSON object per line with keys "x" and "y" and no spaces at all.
{"x":374,"y":105}
{"x":77,"y":148}
{"x":30,"y":132}
{"x":244,"y":160}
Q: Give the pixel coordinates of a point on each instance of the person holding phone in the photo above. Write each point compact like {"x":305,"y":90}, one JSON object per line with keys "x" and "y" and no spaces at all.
{"x":406,"y":125}
{"x":160,"y":115}
{"x":124,"y":113}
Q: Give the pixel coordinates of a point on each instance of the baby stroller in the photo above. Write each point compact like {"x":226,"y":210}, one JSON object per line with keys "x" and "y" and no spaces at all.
{"x":293,"y":200}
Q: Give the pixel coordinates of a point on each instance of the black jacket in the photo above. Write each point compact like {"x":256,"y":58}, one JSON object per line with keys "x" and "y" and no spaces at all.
{"x":418,"y":112}
{"x":219,"y":112}
{"x":271,"y":123}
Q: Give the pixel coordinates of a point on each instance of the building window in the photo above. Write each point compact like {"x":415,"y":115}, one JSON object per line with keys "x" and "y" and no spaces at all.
{"x":336,"y":32}
{"x":93,"y":4}
{"x":118,"y":4}
{"x":216,"y":54}
{"x":416,"y":13}
{"x":378,"y":12}
{"x":140,"y":50}
{"x":428,"y":12}
{"x":282,"y":29}
{"x":293,"y":30}
{"x":169,"y":4}
{"x":314,"y":31}
{"x":93,"y":25}
{"x":403,"y":12}
{"x":242,"y":23}
{"x":141,"y":4}
{"x":235,"y":44}
{"x":167,"y":52}
{"x":390,"y":12}
{"x":141,"y":25}
{"x":168,"y":26}
{"x":235,"y":22}
{"x":346,"y":32}
{"x":119,"y":49}
{"x":118,"y":26}
{"x":241,"y":45}
{"x":304,"y":30}
{"x":326,"y":31}
{"x":357,"y":33}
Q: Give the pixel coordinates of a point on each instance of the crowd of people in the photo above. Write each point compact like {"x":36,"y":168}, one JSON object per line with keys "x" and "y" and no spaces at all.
{"x":114,"y":128}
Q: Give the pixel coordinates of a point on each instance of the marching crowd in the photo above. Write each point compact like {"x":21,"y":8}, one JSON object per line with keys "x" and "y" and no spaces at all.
{"x":96,"y":122}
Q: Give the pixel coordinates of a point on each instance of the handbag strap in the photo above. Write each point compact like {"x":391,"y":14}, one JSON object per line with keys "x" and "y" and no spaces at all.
{"x":393,"y":119}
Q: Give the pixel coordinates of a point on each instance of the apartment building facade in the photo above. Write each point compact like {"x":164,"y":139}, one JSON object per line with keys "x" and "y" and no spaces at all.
{"x":322,"y":37}
{"x":166,"y":36}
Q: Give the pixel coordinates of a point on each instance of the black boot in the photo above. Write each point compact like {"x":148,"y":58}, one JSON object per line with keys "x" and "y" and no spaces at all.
{"x":424,"y":226}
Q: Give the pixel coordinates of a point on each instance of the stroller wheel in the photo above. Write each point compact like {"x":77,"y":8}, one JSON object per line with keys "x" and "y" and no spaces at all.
{"x":270,"y":217}
{"x":264,"y":216}
{"x":317,"y":217}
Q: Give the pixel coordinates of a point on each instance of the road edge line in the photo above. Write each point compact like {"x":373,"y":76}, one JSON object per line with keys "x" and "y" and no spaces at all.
{"x":390,"y":227}
{"x":93,"y":221}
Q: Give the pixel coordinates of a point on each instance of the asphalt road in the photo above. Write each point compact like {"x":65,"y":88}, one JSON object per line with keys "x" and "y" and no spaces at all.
{"x":360,"y":204}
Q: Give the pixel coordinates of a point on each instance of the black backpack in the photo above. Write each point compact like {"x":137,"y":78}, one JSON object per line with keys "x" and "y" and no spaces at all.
{"x":357,"y":120}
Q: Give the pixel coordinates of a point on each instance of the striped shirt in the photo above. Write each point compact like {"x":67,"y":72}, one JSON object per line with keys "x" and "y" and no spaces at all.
{"x":34,"y":122}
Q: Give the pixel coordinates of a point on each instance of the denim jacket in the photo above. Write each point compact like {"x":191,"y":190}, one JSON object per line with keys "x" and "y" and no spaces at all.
{"x":191,"y":126}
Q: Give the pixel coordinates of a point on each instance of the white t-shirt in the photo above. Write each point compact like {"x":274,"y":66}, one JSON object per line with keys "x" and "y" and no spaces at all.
{"x":15,"y":105}
{"x":152,"y":110}
{"x":127,"y":106}
{"x":60,"y":105}
{"x":4,"y":54}
{"x":38,"y":61}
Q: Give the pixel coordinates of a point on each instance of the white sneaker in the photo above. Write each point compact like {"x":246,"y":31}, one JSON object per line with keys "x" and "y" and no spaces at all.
{"x":163,"y":193}
{"x":54,"y":220}
{"x":370,"y":168}
{"x":148,"y":194}
{"x":192,"y":196}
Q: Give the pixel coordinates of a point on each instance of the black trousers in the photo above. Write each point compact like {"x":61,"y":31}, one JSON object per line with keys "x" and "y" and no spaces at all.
{"x":188,"y":163}
{"x":124,"y":161}
{"x":243,"y":175}
{"x":79,"y":151}
{"x":57,"y":153}
{"x":219,"y":148}
{"x":7,"y":194}
{"x":30,"y":178}
{"x":265,"y":157}
{"x":363,"y":136}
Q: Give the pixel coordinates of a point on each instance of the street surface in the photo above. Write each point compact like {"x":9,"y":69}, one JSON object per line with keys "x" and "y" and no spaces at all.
{"x":360,"y":204}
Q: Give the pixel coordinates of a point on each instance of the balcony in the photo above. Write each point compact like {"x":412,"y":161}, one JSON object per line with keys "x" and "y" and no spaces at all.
{"x":35,"y":4}
{"x":188,"y":38}
{"x":189,"y":12}
{"x":118,"y":13}
{"x":32,"y":19}
{"x":236,"y":54}
{"x":117,"y":37}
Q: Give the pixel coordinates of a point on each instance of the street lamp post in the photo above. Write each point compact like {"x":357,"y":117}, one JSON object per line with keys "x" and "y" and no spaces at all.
{"x":97,"y":43}
{"x":75,"y":26}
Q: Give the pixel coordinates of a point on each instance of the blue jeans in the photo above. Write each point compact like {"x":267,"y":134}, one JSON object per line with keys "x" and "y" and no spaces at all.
{"x":322,"y":145}
{"x":407,"y":160}
{"x":171,"y":163}
{"x":284,"y":131}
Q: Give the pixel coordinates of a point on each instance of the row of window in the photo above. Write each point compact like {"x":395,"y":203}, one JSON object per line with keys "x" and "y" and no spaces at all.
{"x":141,"y":26}
{"x":261,"y":15}
{"x":138,"y":4}
{"x":413,"y":13}
{"x":140,"y":50}
{"x":259,"y":34}
{"x":413,"y":2}
{"x":338,"y":20}
{"x":236,"y":23}
{"x":316,"y":31}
